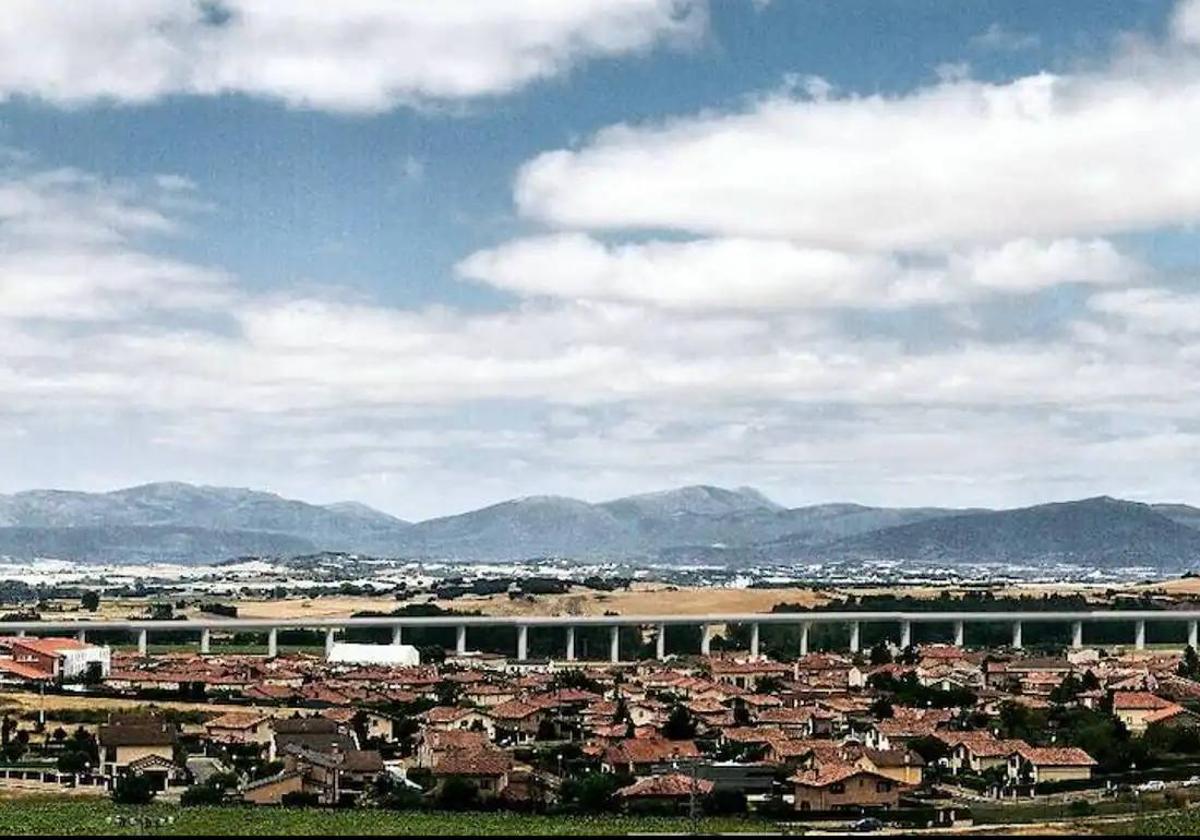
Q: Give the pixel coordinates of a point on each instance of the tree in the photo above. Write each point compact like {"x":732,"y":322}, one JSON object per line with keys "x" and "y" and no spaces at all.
{"x":679,"y":725}
{"x":1189,"y":666}
{"x":741,"y":713}
{"x":458,"y":794}
{"x":881,"y":654}
{"x":447,"y":693}
{"x":881,"y":708}
{"x":592,"y":793}
{"x":132,"y":789}
{"x":72,"y":762}
{"x":90,"y":600}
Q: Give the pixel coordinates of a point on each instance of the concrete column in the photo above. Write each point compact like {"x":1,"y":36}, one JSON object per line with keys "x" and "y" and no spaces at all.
{"x":141,"y":643}
{"x":81,"y":636}
{"x":1077,"y":634}
{"x":614,"y":644}
{"x":905,"y":634}
{"x":754,"y":640}
{"x":705,"y":639}
{"x":330,"y":638}
{"x":1192,"y":634}
{"x":804,"y":639}
{"x":273,"y":642}
{"x":21,"y":633}
{"x":570,"y":644}
{"x":397,"y":635}
{"x":855,"y":637}
{"x":660,"y":644}
{"x":1016,"y":635}
{"x":1140,"y":635}
{"x":522,"y":643}
{"x":460,"y":639}
{"x":205,"y":640}
{"x":960,"y":633}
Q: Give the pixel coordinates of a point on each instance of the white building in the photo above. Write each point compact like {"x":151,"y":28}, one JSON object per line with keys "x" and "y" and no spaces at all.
{"x":359,"y":654}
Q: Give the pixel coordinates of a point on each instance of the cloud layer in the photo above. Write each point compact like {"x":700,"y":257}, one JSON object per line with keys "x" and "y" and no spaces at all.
{"x":356,"y":55}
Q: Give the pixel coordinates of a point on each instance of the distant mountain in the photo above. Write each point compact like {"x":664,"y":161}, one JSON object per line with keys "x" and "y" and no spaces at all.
{"x":182,"y":522}
{"x":208,"y":517}
{"x":528,"y":527}
{"x":145,"y":544}
{"x":1101,"y":532}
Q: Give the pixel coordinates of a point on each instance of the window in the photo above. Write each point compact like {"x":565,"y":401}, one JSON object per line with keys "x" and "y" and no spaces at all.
{"x":837,"y":787}
{"x":883,"y":787}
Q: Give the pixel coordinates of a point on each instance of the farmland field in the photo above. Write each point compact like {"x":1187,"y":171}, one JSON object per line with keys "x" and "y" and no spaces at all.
{"x":61,"y":816}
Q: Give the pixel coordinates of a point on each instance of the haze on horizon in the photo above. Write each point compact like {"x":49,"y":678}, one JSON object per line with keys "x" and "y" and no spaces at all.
{"x":895,"y":252}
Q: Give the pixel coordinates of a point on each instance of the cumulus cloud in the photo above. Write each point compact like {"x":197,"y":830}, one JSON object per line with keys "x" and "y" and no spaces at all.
{"x":959,"y":162}
{"x":358,"y":55}
{"x":751,"y":274}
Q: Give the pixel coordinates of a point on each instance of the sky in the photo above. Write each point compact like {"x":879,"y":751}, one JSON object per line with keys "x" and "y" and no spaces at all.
{"x":429,"y":256}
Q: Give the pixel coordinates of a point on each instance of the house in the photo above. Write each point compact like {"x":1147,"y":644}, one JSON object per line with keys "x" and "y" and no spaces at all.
{"x":904,"y":766}
{"x":318,"y":734}
{"x":335,"y":777}
{"x":517,"y":722}
{"x":48,"y":659}
{"x":139,"y":744}
{"x":1049,"y":764}
{"x":673,"y":790}
{"x":977,"y":752}
{"x":460,"y":717}
{"x":839,"y":786}
{"x":240,"y":728}
{"x":433,"y":744}
{"x":643,"y":756}
{"x":1138,"y":709}
{"x":488,"y":769}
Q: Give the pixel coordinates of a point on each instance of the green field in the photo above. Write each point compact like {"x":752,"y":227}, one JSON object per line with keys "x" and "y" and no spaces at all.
{"x":1178,"y":823}
{"x":91,"y":816}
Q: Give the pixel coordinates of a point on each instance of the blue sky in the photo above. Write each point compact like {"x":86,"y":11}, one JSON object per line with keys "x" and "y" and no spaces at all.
{"x":603,"y":250}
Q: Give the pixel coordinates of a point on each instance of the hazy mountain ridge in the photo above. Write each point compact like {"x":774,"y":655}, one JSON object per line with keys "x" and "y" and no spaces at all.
{"x":1101,"y":532}
{"x":181,"y":522}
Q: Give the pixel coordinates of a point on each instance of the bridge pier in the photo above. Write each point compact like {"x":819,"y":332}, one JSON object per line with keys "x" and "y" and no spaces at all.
{"x":1016,"y":639}
{"x":273,"y":643}
{"x":1139,"y":635}
{"x":804,"y":638}
{"x":397,"y":635}
{"x":1077,"y":635}
{"x":705,"y":639}
{"x":855,"y":637}
{"x":205,"y":640}
{"x":142,"y":642}
{"x":905,"y":634}
{"x":959,"y":634}
{"x":460,"y":639}
{"x":570,"y":644}
{"x":330,"y":639}
{"x":660,"y":643}
{"x":81,"y":637}
{"x":1192,"y":634}
{"x":522,"y":643}
{"x":754,"y":640}
{"x":614,"y":644}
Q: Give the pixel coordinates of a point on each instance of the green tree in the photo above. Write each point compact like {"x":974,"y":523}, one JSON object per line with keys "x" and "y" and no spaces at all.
{"x":90,"y":600}
{"x":1189,"y":666}
{"x":132,"y":789}
{"x":458,"y":794}
{"x":679,"y":726}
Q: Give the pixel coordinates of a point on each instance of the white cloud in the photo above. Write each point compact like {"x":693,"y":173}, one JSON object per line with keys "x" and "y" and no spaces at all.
{"x":1044,"y":156}
{"x":1000,"y":38}
{"x":751,"y":274}
{"x":1185,"y":25}
{"x":1152,"y":311}
{"x":356,"y":55}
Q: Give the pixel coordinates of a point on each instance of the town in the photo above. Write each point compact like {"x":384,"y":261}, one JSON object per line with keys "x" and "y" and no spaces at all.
{"x":919,"y":735}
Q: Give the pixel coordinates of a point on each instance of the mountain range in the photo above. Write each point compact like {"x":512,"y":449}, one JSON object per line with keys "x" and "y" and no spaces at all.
{"x":177,"y":522}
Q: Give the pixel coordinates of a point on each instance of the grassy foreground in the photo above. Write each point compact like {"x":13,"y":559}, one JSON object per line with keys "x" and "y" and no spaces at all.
{"x":1178,"y":823}
{"x":89,"y":816}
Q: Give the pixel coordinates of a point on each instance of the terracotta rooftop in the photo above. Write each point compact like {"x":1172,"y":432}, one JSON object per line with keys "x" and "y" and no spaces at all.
{"x":672,"y":785}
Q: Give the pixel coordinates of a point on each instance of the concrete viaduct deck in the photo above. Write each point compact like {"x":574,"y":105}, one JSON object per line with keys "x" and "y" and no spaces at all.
{"x":203,"y":627}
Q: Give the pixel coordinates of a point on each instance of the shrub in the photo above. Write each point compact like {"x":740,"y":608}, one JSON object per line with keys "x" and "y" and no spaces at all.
{"x":300,"y":799}
{"x":132,"y":789}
